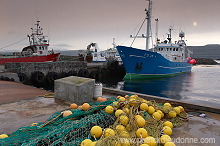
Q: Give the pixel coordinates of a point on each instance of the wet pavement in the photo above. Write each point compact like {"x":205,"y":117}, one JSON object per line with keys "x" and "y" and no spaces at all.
{"x":13,"y":91}
{"x":25,"y":112}
{"x":20,"y":105}
{"x":198,"y":131}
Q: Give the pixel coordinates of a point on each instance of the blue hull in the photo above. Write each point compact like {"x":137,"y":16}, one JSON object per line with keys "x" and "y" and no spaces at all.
{"x":146,"y":64}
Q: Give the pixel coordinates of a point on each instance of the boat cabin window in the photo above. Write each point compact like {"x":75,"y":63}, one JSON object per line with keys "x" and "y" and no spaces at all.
{"x":167,"y":49}
{"x":173,"y":49}
{"x":161,"y":49}
{"x":176,"y":49}
{"x":170,"y":49}
{"x":102,"y":55}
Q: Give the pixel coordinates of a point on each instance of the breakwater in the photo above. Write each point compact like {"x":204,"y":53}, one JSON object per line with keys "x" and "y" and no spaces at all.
{"x":43,"y":74}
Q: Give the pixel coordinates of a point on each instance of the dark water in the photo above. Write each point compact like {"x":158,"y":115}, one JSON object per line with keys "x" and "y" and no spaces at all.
{"x":201,"y":86}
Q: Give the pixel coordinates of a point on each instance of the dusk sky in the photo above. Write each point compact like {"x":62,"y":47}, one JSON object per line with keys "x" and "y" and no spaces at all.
{"x":74,"y":24}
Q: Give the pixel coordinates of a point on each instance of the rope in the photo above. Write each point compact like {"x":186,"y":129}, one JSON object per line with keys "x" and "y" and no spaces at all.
{"x":13,"y":43}
{"x":138,"y":32}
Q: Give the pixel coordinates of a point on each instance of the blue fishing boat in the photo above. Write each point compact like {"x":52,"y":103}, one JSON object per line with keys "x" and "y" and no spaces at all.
{"x":164,"y":59}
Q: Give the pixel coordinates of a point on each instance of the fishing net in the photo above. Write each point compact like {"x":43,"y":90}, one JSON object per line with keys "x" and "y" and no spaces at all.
{"x":59,"y":130}
{"x":75,"y":128}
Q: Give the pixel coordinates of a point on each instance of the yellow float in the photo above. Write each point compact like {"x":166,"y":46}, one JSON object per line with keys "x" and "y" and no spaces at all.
{"x":109,"y":109}
{"x":96,"y":131}
{"x":151,"y":141}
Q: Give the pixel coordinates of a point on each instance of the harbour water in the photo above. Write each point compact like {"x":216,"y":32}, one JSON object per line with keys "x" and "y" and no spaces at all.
{"x":200,"y":86}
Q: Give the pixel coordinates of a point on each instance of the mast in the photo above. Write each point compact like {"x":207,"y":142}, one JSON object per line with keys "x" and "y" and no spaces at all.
{"x":148,"y":17}
{"x":156,"y":33}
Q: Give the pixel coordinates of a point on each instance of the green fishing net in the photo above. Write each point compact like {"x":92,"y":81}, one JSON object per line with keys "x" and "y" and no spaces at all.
{"x":73,"y":129}
{"x":59,"y":130}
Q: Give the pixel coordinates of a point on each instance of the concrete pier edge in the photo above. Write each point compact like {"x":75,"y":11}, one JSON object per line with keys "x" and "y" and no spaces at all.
{"x":162,"y":99}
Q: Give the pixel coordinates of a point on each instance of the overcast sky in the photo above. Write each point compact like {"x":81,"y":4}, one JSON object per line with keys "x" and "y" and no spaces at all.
{"x":74,"y":24}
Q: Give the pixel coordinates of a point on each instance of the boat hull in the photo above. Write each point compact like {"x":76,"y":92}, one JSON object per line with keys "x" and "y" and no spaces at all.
{"x":146,"y":64}
{"x":46,"y":58}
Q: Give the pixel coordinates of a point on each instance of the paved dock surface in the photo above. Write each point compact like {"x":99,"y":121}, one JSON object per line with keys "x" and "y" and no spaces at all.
{"x":20,"y":106}
{"x":13,"y":91}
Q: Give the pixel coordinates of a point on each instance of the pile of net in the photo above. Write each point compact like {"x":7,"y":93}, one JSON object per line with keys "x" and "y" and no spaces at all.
{"x":116,"y":121}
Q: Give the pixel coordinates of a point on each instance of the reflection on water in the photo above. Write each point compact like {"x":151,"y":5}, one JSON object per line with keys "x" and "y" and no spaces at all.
{"x":169,"y":87}
{"x":201,"y":86}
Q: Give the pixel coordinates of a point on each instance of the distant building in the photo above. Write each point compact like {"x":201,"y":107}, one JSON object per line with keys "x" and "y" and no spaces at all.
{"x":209,"y":51}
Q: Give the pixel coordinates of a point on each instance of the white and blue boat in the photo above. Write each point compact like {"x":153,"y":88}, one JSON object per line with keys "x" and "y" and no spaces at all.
{"x":164,"y":59}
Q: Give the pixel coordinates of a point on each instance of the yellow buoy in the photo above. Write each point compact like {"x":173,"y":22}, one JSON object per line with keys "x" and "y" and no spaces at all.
{"x":118,"y":112}
{"x":172,"y":114}
{"x":34,"y":124}
{"x":165,"y":138}
{"x":144,"y":145}
{"x":120,"y":128}
{"x":118,"y":96}
{"x":122,"y":99}
{"x":86,"y":142}
{"x":126,"y":96}
{"x":66,"y":113}
{"x":166,"y":108}
{"x":96,"y":131}
{"x":145,"y":101}
{"x":109,"y":132}
{"x":151,"y":110}
{"x":109,"y":109}
{"x":156,"y":115}
{"x":133,"y":96}
{"x":181,"y":108}
{"x":167,"y":104}
{"x":177,"y":110}
{"x":133,"y":101}
{"x":151,"y":141}
{"x":124,"y":134}
{"x":126,"y":110}
{"x":85,"y":106}
{"x":115,"y":104}
{"x":141,"y":133}
{"x":167,"y":130}
{"x":137,"y":116}
{"x":123,"y":120}
{"x":93,"y":143}
{"x":169,"y":144}
{"x":161,"y":113}
{"x":3,"y":136}
{"x":73,"y":106}
{"x":141,"y":122}
{"x":168,"y":123}
{"x":144,"y":107}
